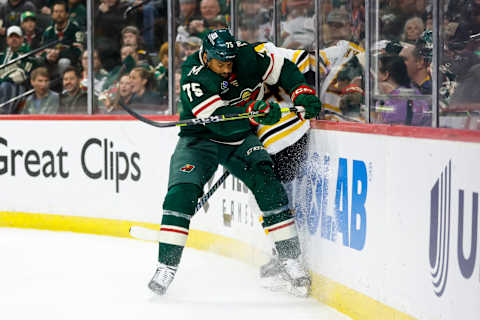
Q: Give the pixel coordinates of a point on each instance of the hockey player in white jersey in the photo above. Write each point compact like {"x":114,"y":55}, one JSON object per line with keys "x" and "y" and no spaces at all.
{"x":287,"y":140}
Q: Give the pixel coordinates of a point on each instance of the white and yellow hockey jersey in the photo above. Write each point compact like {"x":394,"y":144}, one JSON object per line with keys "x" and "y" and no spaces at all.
{"x":290,"y":128}
{"x":332,"y":61}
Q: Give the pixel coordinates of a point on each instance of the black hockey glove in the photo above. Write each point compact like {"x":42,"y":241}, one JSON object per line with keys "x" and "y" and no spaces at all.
{"x":272,"y":112}
{"x":305,"y":96}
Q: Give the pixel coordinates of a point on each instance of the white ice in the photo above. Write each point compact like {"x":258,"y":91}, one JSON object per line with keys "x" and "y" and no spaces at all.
{"x":63,"y":275}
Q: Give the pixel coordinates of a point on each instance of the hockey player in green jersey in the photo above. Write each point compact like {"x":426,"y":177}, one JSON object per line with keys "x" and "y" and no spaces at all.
{"x":227,"y":76}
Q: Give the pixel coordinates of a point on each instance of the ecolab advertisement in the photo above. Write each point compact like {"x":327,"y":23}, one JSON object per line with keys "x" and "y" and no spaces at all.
{"x":395,"y":219}
{"x":392,"y":218}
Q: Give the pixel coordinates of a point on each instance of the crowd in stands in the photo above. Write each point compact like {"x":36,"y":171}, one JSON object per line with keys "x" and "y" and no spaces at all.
{"x":131,"y":51}
{"x":44,"y":61}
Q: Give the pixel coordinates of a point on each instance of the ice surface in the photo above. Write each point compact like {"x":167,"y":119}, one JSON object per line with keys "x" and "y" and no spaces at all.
{"x":62,"y":275}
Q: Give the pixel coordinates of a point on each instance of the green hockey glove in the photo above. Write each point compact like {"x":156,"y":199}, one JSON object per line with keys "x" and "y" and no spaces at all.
{"x":272,"y":112}
{"x":305,"y":96}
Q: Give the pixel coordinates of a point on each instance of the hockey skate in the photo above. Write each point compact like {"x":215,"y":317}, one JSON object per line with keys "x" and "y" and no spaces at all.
{"x":272,"y":268}
{"x":162,"y":278}
{"x":286,"y":275}
{"x":297,"y":276}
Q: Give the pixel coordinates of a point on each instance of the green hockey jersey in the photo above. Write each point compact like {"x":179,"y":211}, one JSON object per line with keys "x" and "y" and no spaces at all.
{"x":205,"y":93}
{"x":17,"y":72}
{"x":69,"y":36}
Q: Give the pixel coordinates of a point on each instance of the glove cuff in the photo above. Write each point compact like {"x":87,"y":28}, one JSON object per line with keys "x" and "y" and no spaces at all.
{"x":301,"y":90}
{"x":352,"y":88}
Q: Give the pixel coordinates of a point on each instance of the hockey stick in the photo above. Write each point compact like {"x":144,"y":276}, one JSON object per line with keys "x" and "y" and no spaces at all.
{"x":197,"y":121}
{"x":148,"y":234}
{"x":23,"y":95}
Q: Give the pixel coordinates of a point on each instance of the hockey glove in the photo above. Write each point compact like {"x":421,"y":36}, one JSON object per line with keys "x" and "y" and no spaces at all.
{"x":305,"y":96}
{"x":272,"y":112}
{"x":352,"y":97}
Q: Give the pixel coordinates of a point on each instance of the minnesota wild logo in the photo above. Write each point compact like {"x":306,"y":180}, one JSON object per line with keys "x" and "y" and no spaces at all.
{"x":187,"y":168}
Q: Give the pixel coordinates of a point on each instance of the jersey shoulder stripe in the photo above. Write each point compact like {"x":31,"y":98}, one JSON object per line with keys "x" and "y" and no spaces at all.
{"x":206,"y":108}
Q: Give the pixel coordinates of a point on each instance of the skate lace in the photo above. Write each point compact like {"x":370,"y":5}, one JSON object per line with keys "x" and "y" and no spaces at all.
{"x":164,"y":274}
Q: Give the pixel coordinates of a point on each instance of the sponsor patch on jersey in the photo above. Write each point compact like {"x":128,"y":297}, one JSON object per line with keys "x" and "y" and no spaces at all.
{"x":253,"y":149}
{"x":187,"y":168}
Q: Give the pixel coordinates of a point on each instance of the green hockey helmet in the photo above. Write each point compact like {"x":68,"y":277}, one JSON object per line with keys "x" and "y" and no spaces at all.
{"x":221,"y":45}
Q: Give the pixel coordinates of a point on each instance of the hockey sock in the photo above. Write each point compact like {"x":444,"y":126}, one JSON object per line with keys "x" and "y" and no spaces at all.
{"x":280,"y":225}
{"x":178,"y":209}
{"x":267,"y":189}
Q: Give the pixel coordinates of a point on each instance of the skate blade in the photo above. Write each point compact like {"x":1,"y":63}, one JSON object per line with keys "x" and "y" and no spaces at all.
{"x":275,"y":284}
{"x":300,"y":291}
{"x":280,"y":284}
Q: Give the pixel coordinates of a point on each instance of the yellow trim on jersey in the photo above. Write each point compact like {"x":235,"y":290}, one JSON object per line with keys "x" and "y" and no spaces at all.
{"x":262,"y":130}
{"x":260,"y":47}
{"x":281,"y":135}
{"x":325,"y":59}
{"x":356,"y":46}
{"x":305,"y":64}
{"x":295,"y":56}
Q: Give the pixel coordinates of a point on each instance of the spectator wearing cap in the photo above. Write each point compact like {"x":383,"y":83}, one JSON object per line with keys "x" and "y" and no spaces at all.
{"x":78,"y":13}
{"x":189,"y":45}
{"x":131,"y":37}
{"x":10,"y":13}
{"x":338,"y":26}
{"x":32,"y":34}
{"x":13,"y":76}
